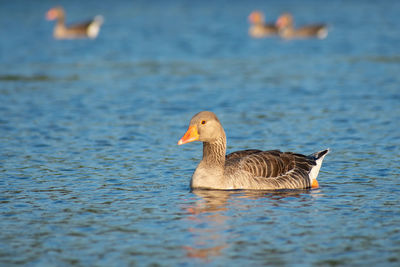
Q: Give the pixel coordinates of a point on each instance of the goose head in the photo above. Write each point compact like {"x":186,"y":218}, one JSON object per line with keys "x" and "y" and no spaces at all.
{"x":256,"y":17}
{"x":285,"y":20}
{"x":55,"y":13}
{"x":204,"y":127}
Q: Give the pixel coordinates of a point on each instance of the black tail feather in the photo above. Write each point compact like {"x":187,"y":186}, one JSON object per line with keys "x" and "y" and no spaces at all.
{"x":319,"y":154}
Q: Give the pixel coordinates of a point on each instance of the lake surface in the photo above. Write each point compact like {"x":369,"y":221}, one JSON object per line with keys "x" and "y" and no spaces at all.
{"x":90,"y":171}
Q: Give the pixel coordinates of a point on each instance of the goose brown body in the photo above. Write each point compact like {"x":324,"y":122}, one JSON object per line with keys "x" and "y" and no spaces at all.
{"x":286,"y":29}
{"x":89,"y":29}
{"x":246,"y":169}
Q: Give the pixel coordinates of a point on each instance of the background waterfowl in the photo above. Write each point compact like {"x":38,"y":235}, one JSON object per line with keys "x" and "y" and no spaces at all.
{"x":246,"y":169}
{"x":259,"y":28}
{"x":286,"y":29}
{"x":89,"y":29}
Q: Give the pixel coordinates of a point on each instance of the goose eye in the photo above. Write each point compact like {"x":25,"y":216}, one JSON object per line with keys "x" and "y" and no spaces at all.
{"x":203,"y":122}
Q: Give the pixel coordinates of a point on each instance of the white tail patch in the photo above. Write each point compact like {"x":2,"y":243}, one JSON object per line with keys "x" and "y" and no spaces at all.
{"x":315,"y":170}
{"x":322,"y":33}
{"x":94,"y":27}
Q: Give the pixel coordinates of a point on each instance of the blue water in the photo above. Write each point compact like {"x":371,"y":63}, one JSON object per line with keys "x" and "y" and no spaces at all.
{"x":90,"y":171}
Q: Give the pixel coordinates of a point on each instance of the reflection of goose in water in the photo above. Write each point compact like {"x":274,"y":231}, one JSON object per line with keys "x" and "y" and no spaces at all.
{"x":217,"y":200}
{"x":208,"y":224}
{"x":211,"y":200}
{"x":203,"y":253}
{"x":247,"y":169}
{"x":209,"y":228}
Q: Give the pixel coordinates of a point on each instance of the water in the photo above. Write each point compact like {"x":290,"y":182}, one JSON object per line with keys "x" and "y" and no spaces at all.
{"x":90,"y":170}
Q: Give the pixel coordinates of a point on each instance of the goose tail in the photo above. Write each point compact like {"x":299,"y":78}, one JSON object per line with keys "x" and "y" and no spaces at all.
{"x":318,"y":157}
{"x":322,"y":33}
{"x":94,"y":27}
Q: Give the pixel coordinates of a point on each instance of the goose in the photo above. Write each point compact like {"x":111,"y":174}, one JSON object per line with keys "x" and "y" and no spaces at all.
{"x":89,"y":29}
{"x":246,"y":169}
{"x":286,"y":29}
{"x":258,"y":27}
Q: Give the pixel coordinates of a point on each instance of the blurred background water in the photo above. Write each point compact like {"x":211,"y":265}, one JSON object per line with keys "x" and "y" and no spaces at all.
{"x":90,"y":170}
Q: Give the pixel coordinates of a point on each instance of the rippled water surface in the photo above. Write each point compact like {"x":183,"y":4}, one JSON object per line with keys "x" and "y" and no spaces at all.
{"x":90,"y":170}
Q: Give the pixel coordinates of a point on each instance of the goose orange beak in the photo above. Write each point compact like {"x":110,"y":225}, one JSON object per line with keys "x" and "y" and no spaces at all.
{"x":190,"y":135}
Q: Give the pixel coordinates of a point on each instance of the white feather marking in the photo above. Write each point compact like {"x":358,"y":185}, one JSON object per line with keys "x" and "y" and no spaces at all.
{"x":94,"y":27}
{"x":315,"y":170}
{"x":322,"y":33}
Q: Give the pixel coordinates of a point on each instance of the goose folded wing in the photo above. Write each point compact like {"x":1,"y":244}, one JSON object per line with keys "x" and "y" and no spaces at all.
{"x":80,"y":26}
{"x":288,"y":170}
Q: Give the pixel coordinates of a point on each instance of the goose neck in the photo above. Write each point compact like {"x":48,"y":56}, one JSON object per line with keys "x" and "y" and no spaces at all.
{"x":214,"y":152}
